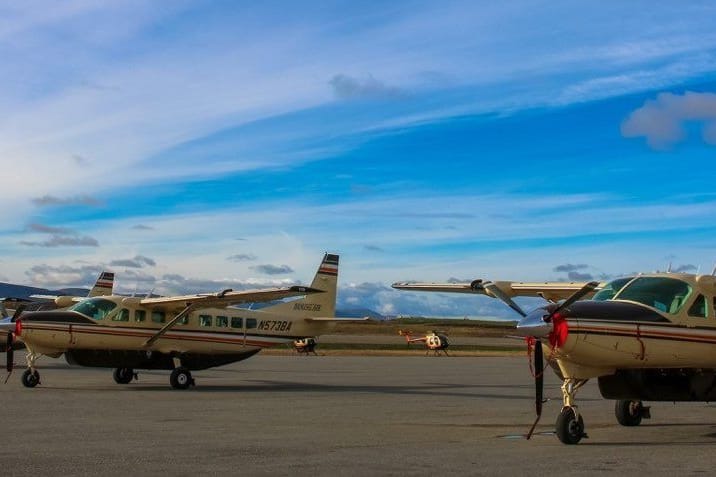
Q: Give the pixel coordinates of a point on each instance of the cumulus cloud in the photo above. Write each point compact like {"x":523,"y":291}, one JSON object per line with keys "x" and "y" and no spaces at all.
{"x":272,"y":269}
{"x":64,"y":241}
{"x":51,"y":200}
{"x":661,"y":121}
{"x":347,"y":87}
{"x":242,"y":257}
{"x":138,"y":261}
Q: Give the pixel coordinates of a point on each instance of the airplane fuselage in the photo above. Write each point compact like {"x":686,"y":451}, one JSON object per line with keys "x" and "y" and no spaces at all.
{"x":119,"y":337}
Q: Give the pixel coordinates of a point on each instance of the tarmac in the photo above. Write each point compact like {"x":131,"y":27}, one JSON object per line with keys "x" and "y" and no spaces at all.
{"x":331,"y":416}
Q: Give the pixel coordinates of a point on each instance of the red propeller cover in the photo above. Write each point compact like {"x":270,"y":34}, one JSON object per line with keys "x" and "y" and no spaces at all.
{"x":560,"y":330}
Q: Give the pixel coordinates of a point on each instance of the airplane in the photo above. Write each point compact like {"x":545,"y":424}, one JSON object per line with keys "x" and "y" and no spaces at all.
{"x":653,"y":340}
{"x":434,"y":341}
{"x":176,"y":333}
{"x":104,"y":285}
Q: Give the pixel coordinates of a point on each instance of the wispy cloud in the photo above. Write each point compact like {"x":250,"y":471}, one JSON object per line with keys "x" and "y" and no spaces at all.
{"x":48,"y":229}
{"x":347,"y":87}
{"x":50,"y":200}
{"x":64,"y":241}
{"x":242,"y":257}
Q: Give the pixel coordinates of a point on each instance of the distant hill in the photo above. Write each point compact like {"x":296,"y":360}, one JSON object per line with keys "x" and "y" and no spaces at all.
{"x":358,"y":313}
{"x":8,"y":290}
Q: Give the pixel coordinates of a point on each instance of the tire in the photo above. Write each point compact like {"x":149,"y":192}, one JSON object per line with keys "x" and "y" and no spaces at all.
{"x":570,"y":430}
{"x":30,"y":379}
{"x":123,"y":375}
{"x":629,"y":413}
{"x":180,"y":378}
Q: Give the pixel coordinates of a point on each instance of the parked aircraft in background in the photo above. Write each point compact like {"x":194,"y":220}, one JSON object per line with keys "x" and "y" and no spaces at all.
{"x":434,"y":341}
{"x":104,"y":285}
{"x":653,"y":339}
{"x":177,"y":333}
{"x":305,"y":346}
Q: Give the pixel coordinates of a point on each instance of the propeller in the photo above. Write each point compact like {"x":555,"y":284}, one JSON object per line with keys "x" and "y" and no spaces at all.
{"x":536,"y":325}
{"x":10,"y":339}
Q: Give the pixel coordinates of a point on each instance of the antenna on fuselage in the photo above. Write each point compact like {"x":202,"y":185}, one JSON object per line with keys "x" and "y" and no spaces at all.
{"x":668,"y":270}
{"x":713,"y":272}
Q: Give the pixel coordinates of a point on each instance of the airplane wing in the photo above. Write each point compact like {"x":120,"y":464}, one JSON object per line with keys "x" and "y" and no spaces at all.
{"x":188,"y":303}
{"x":552,"y":291}
{"x":334,"y":319}
{"x":226,"y":298}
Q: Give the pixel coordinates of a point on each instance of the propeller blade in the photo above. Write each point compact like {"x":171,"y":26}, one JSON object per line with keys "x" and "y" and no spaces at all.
{"x":539,"y":385}
{"x":9,"y":352}
{"x":495,"y":291}
{"x":18,"y":312}
{"x":586,"y":289}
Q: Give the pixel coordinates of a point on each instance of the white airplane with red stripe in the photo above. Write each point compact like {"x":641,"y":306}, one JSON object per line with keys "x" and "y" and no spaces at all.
{"x":646,"y":338}
{"x":178,"y":333}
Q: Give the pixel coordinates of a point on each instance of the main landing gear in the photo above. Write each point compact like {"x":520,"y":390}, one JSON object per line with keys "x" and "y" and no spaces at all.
{"x":181,"y":378}
{"x":570,"y":425}
{"x":124,"y":375}
{"x":630,"y":413}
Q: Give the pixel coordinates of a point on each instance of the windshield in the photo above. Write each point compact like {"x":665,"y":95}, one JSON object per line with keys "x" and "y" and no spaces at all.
{"x":95,"y":308}
{"x":664,"y":294}
{"x":611,"y":289}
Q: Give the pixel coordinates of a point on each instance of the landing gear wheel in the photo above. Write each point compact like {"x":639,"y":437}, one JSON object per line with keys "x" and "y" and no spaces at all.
{"x":123,"y":375}
{"x":629,"y":413}
{"x":180,"y":378}
{"x":570,"y":429}
{"x":30,"y":378}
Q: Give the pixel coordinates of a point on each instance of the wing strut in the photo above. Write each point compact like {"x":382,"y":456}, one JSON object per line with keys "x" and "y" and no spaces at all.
{"x":188,"y":309}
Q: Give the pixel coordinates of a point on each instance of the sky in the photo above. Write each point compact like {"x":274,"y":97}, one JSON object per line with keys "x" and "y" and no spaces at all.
{"x":193,"y":145}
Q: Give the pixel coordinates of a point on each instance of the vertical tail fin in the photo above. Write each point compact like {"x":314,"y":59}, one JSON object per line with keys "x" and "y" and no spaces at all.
{"x":317,"y":304}
{"x":103,"y":286}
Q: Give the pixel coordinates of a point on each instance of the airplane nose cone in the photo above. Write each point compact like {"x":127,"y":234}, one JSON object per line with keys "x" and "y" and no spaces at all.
{"x":534,"y":324}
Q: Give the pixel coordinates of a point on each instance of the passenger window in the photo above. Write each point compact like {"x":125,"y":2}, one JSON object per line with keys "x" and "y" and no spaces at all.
{"x":237,"y":322}
{"x":183,"y":321}
{"x":250,"y":323}
{"x":123,"y":315}
{"x":222,"y":321}
{"x":204,"y":320}
{"x":140,"y":315}
{"x":158,"y":316}
{"x":698,"y":309}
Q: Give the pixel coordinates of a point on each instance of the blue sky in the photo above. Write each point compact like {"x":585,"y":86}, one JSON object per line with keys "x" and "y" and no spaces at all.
{"x":189,"y":145}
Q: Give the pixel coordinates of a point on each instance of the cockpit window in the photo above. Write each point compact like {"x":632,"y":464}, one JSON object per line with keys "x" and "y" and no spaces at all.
{"x":611,"y":289}
{"x":698,"y":309}
{"x":664,"y":294}
{"x":95,"y":308}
